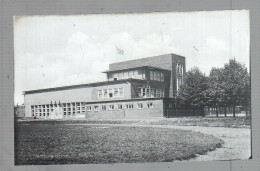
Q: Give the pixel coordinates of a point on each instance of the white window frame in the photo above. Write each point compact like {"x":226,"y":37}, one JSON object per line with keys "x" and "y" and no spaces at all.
{"x":96,"y":108}
{"x":121,"y":94}
{"x":110,"y":92}
{"x":150,"y":105}
{"x":120,"y":107}
{"x":103,"y":107}
{"x":114,"y":92}
{"x":100,"y":96}
{"x":140,"y":106}
{"x":111,"y":107}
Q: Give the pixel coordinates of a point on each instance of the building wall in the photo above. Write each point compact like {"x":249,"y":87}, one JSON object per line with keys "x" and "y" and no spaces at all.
{"x":155,"y":112}
{"x":168,"y":62}
{"x":79,"y":94}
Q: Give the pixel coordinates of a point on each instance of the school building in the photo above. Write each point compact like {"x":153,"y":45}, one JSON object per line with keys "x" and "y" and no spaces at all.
{"x":141,"y":88}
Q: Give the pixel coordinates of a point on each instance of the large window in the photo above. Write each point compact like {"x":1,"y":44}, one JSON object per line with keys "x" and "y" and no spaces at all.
{"x":156,"y":75}
{"x":111,"y":92}
{"x":150,"y":92}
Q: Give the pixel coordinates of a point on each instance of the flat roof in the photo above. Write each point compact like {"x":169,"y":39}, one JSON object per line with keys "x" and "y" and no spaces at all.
{"x":148,"y":67}
{"x":82,"y":85}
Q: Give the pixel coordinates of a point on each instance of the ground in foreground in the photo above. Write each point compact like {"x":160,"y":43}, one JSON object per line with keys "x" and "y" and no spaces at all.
{"x":60,"y":143}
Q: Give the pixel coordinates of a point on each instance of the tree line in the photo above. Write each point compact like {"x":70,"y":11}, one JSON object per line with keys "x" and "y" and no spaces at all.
{"x":228,"y":86}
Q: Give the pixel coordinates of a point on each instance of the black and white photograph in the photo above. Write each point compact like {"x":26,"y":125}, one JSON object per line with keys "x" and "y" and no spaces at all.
{"x":132,"y":88}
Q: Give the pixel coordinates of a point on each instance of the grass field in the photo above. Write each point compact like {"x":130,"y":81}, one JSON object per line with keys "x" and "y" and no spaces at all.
{"x":234,"y":122}
{"x":58,"y":142}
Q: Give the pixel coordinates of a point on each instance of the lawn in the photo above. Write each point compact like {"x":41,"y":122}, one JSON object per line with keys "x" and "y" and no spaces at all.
{"x":58,"y":142}
{"x":234,"y":122}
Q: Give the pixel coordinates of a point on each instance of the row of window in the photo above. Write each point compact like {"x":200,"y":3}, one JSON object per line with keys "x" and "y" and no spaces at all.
{"x":150,"y":92}
{"x":157,"y":76}
{"x":67,"y":108}
{"x":110,"y":93}
{"x":70,"y":109}
{"x":118,"y":106}
{"x":139,"y":74}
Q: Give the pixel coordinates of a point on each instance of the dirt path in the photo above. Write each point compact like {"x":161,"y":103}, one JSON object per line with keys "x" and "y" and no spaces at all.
{"x":237,"y":140}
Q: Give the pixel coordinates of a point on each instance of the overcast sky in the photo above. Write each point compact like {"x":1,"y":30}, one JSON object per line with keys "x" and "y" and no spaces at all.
{"x":64,"y":50}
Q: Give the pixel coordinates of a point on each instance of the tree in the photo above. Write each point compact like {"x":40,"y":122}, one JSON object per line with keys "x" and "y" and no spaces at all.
{"x":236,"y":84}
{"x":192,"y":92}
{"x":229,"y":86}
{"x":216,"y":94}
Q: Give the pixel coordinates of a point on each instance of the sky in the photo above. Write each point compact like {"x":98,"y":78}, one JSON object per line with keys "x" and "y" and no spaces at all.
{"x":60,"y":50}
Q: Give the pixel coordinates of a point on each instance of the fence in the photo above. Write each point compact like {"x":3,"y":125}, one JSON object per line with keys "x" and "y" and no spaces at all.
{"x":181,"y":112}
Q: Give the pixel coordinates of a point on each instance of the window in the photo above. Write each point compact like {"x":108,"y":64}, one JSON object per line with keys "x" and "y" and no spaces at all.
{"x":95,"y":108}
{"x":158,"y":93}
{"x":110,"y":93}
{"x":135,"y":74}
{"x":129,"y":106}
{"x":158,"y":76}
{"x":104,"y":107}
{"x":105,"y":93}
{"x":152,"y":92}
{"x":143,"y":92}
{"x":125,"y":75}
{"x":151,"y":75}
{"x":147,"y":92}
{"x":139,"y":91}
{"x":115,"y":92}
{"x":119,"y":106}
{"x":139,"y":105}
{"x":149,"y":105}
{"x":120,"y":76}
{"x":115,"y":76}
{"x":170,"y":105}
{"x":162,"y":77}
{"x":121,"y":91}
{"x":131,"y":74}
{"x":88,"y":108}
{"x":100,"y":94}
{"x":162,"y":93}
{"x":111,"y":107}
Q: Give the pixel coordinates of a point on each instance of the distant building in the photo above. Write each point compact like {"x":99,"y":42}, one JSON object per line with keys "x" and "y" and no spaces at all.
{"x":19,"y":111}
{"x":142,"y":88}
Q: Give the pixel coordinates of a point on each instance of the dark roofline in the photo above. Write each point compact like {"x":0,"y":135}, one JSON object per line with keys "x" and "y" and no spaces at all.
{"x":149,"y":67}
{"x":81,"y":85}
{"x":149,"y":57}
